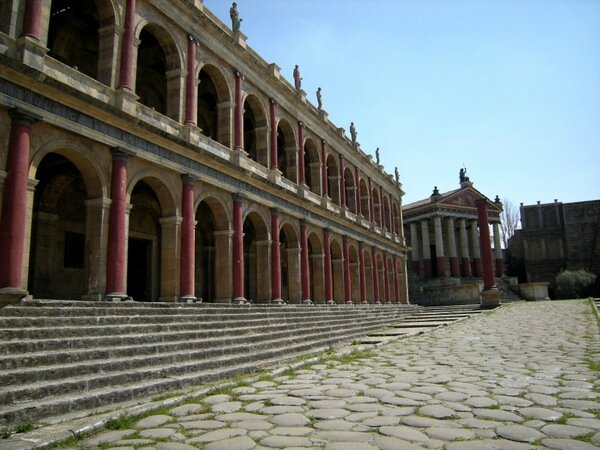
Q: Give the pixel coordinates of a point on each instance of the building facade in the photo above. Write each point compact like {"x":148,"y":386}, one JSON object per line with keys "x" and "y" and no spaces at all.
{"x":556,"y":236}
{"x":443,"y":233}
{"x":146,"y":151}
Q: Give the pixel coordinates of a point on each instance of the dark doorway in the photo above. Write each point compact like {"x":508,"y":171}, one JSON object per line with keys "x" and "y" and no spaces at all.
{"x":434,"y":269}
{"x":138,"y":273}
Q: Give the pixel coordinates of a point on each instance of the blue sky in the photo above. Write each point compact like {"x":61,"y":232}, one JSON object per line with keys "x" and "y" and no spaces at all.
{"x":509,"y":88}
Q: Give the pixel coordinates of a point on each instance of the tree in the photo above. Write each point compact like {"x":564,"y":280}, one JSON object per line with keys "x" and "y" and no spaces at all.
{"x":574,"y":283}
{"x":510,"y":220}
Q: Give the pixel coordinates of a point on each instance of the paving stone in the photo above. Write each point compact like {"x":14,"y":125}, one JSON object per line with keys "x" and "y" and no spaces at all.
{"x":404,"y":433}
{"x":426,"y":422}
{"x":291,"y":431}
{"x":534,"y":423}
{"x":542,"y":399}
{"x":593,"y":424}
{"x":325,"y":404}
{"x":568,"y":444}
{"x":186,"y":410}
{"x":287,"y":401}
{"x":452,"y":396}
{"x":479,"y":423}
{"x":238,"y":417}
{"x":519,"y":433}
{"x":504,"y":444}
{"x":152,"y":421}
{"x":214,"y":399}
{"x":437,"y":411}
{"x":391,"y":443}
{"x":285,"y":441}
{"x":343,"y":436}
{"x":203,"y":424}
{"x":540,"y":389}
{"x":497,"y":414}
{"x":218,"y":435}
{"x":342,"y":393}
{"x":381,"y":420}
{"x":226,"y":407}
{"x":349,"y":446}
{"x":157,"y":433}
{"x":580,"y":404}
{"x":281,"y":409}
{"x":365,"y":407}
{"x":481,"y":402}
{"x":565,"y":431}
{"x":290,"y":420}
{"x":257,"y":434}
{"x":450,"y":434}
{"x":106,"y":437}
{"x":328,"y":413}
{"x":237,"y":443}
{"x":516,"y":401}
{"x":334,"y":425}
{"x":548,"y":415}
{"x":174,"y":446}
{"x":254,"y":425}
{"x":468,"y":445}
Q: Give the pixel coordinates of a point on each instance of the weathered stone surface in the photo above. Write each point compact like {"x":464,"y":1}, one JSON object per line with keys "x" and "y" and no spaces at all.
{"x":286,"y":441}
{"x":157,"y":433}
{"x":343,"y":436}
{"x":290,"y":420}
{"x":238,"y":443}
{"x":450,"y":434}
{"x":437,"y":411}
{"x":152,"y":421}
{"x":328,"y":413}
{"x":497,"y":414}
{"x":518,"y":433}
{"x":565,"y":431}
{"x":548,"y":415}
{"x":404,"y":433}
{"x":568,"y":444}
{"x":218,"y":435}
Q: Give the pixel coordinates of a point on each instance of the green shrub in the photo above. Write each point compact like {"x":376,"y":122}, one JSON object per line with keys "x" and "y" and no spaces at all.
{"x":573,"y":283}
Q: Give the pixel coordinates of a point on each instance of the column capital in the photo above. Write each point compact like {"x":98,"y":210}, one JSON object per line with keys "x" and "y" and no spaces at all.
{"x":301,"y":124}
{"x":193,"y":39}
{"x":238,"y":74}
{"x":272,"y":101}
{"x":302,"y":222}
{"x":188,"y":178}
{"x":275,"y":212}
{"x":121,"y":154}
{"x":327,"y":231}
{"x":24,"y":118}
{"x":238,"y":197}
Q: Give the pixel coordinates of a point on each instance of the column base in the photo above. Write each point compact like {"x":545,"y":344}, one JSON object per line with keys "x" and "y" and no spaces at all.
{"x":490,"y":298}
{"x":364,"y":302}
{"x":118,"y":297}
{"x":349,"y":302}
{"x":126,"y":101}
{"x":31,"y":53}
{"x":330,"y":302}
{"x":240,"y":301}
{"x":11,"y":296}
{"x":189,"y":299}
{"x":307,"y":301}
{"x":278,"y":301}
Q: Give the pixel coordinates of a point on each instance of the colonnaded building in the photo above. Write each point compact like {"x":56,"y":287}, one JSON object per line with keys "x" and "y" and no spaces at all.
{"x":146,"y":151}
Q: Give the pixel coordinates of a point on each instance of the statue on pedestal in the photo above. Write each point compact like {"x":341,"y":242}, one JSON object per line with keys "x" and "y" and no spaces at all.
{"x":235,"y":17}
{"x":377,"y":156}
{"x":319,"y":99}
{"x":297,"y":79}
{"x":462,"y":174}
{"x":353,"y":132}
{"x":397,"y":175}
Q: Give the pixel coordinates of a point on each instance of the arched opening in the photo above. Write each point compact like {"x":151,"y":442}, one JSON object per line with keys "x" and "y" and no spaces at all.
{"x":255,"y":131}
{"x":364,"y":198}
{"x":286,"y":150}
{"x":369,"y":276}
{"x":151,"y":79}
{"x":354,"y":274}
{"x":312,"y":167}
{"x":376,"y":206}
{"x":397,"y":218}
{"x":337,"y":271}
{"x":214,"y":111}
{"x":333,"y":180}
{"x":58,"y":260}
{"x":380,"y":277}
{"x":386,"y":214}
{"x":256,"y":259}
{"x":290,"y":264}
{"x":316,"y":260}
{"x":144,"y":244}
{"x":74,"y":36}
{"x":157,"y":56}
{"x":350,"y":190}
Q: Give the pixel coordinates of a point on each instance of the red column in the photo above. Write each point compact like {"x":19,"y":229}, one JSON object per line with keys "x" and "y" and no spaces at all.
{"x":116,"y":257}
{"x":301,"y":176}
{"x":238,"y":113}
{"x":191,"y":110}
{"x":391,"y":208}
{"x":386,"y":279}
{"x":304,"y":265}
{"x":485,"y":244}
{"x":357,"y":193}
{"x":33,"y":18}
{"x":275,"y":257}
{"x":342,"y":183}
{"x":188,"y":241}
{"x":328,"y":280}
{"x":324,"y":182}
{"x":273,"y":134}
{"x":126,"y":75}
{"x":396,"y":281}
{"x":362,"y":278}
{"x":14,"y":201}
{"x":392,"y":217}
{"x":347,"y":280}
{"x":375,"y":276}
{"x":371,"y":206}
{"x":238,"y":250}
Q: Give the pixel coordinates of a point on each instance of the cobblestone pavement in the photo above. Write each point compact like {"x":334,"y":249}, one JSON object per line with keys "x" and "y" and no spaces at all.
{"x":519,"y":377}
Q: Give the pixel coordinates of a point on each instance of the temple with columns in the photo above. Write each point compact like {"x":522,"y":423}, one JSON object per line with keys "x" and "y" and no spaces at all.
{"x":448,"y":234}
{"x":147,"y":152}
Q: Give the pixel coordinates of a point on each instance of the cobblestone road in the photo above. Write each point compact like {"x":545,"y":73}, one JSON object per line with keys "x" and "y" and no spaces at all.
{"x":518,"y":377}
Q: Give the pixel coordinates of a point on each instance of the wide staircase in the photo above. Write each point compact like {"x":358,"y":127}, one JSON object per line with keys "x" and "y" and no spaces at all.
{"x":69,"y":357}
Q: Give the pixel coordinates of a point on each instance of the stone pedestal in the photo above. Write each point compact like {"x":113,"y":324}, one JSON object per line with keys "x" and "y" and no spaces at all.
{"x":490,"y":298}
{"x":11,"y":296}
{"x":534,"y":291}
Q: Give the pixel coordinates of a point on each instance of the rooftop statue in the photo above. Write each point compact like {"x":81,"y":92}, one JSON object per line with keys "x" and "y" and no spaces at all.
{"x":353,"y":132}
{"x":297,"y":78}
{"x":319,"y":99}
{"x":377,"y":156}
{"x":235,"y":17}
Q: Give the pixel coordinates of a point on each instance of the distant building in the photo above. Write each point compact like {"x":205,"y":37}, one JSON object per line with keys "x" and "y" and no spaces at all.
{"x":556,"y":236}
{"x":443,"y":234}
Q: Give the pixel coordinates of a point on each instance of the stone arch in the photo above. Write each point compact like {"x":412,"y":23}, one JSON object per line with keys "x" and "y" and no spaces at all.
{"x":333,"y":179}
{"x":214,"y":104}
{"x":255,"y":130}
{"x":286,"y":150}
{"x":289,"y":241}
{"x":152,"y":265}
{"x":256,"y":256}
{"x":159,"y":69}
{"x":316,"y":260}
{"x":350,"y":187}
{"x":337,"y":269}
{"x":312,"y":166}
{"x":364,"y":197}
{"x":213,"y":243}
{"x":81,"y":35}
{"x":354,"y":272}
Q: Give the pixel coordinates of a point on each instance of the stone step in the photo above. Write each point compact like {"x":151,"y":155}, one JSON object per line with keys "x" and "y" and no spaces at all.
{"x":51,"y":365}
